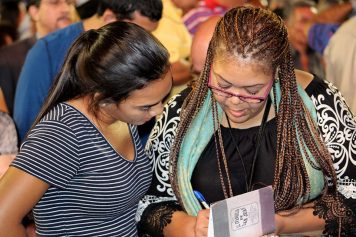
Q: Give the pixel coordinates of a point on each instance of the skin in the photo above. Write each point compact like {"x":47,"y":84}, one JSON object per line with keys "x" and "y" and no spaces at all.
{"x":295,"y":25}
{"x":20,"y":191}
{"x":50,"y":16}
{"x":247,"y":79}
{"x":3,"y":106}
{"x":109,"y":16}
{"x":144,"y":21}
{"x":200,"y":43}
{"x":185,"y":5}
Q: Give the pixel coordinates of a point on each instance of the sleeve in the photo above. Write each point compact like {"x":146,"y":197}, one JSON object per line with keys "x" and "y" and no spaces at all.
{"x":337,"y":126}
{"x":32,"y":87}
{"x":50,"y":153}
{"x":158,"y":205}
{"x":319,"y":35}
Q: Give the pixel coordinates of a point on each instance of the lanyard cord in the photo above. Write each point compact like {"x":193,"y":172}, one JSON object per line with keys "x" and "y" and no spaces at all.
{"x":259,"y":139}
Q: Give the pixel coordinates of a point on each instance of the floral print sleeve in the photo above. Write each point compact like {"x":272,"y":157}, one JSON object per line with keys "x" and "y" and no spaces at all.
{"x":337,"y":126}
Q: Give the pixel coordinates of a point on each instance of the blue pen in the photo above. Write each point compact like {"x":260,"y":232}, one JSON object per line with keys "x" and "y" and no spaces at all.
{"x":201,"y":199}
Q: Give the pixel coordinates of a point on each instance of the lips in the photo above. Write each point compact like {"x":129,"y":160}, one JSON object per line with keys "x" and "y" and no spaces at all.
{"x":65,"y":18}
{"x":238,"y":113}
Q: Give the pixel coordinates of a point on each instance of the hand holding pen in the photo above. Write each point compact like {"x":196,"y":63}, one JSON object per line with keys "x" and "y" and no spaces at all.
{"x":201,"y":199}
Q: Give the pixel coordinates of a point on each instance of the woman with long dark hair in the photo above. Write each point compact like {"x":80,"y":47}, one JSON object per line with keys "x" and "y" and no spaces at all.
{"x":82,"y":167}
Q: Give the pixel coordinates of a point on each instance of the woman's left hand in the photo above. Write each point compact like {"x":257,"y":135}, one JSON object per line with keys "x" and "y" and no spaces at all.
{"x":202,"y":222}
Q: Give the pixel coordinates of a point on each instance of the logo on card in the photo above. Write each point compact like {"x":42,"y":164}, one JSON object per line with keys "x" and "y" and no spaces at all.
{"x":244,"y":216}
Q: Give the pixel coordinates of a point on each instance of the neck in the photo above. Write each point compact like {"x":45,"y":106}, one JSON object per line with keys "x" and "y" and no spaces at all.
{"x":94,"y":22}
{"x":82,"y":104}
{"x":40,"y":31}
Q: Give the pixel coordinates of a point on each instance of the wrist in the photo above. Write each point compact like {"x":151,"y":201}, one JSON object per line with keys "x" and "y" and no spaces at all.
{"x":278,"y":219}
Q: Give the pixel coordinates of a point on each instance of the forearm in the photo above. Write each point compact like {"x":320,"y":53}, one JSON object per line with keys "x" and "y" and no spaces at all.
{"x":181,"y":225}
{"x":301,"y":222}
{"x":8,"y":230}
{"x":156,"y":217}
{"x":336,"y":13}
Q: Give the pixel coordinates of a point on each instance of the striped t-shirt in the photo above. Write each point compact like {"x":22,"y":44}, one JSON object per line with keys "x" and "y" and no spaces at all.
{"x":94,"y":191}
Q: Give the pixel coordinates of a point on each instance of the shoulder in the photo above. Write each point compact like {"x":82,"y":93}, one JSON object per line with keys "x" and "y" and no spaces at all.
{"x":303,"y":78}
{"x":62,"y":117}
{"x":168,"y":121}
{"x":175,"y":104}
{"x":59,"y":39}
{"x":19,"y":48}
{"x":73,"y":30}
{"x":324,"y":94}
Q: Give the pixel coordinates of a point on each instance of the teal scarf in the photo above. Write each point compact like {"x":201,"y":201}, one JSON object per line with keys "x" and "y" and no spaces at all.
{"x":198,"y":136}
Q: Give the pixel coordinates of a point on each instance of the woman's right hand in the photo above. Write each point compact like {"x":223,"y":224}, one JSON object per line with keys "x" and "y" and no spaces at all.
{"x":202,"y":222}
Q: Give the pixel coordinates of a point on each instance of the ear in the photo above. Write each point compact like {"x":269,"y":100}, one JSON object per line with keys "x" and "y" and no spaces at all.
{"x":33,"y":11}
{"x":109,"y":16}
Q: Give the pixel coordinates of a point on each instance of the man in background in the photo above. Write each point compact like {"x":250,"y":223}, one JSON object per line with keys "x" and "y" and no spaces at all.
{"x":47,"y":16}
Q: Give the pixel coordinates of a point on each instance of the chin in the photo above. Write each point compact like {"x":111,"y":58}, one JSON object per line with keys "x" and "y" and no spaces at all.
{"x":239,"y":119}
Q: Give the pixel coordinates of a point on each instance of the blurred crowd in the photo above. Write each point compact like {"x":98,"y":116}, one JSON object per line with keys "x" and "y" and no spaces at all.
{"x":36,"y":34}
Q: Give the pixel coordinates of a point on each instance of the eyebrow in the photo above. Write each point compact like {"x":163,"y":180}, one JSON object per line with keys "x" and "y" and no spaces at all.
{"x":251,"y":86}
{"x":151,"y":105}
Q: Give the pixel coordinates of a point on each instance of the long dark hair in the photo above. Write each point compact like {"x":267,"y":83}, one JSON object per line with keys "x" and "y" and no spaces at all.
{"x":110,"y":63}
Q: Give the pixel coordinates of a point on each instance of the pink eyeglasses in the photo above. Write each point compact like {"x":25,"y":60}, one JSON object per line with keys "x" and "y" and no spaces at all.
{"x":246,"y":98}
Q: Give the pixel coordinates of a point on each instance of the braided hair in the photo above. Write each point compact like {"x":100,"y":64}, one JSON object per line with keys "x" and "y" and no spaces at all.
{"x":260,"y":36}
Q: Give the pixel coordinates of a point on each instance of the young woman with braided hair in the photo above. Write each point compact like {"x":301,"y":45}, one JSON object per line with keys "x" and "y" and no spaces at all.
{"x":250,"y":121}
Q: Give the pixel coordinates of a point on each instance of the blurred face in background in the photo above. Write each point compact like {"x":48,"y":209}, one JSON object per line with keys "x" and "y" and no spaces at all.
{"x":51,"y":15}
{"x":185,"y":5}
{"x":296,"y":23}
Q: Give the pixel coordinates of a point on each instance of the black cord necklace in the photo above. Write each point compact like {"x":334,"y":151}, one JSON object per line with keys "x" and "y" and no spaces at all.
{"x":248,"y":182}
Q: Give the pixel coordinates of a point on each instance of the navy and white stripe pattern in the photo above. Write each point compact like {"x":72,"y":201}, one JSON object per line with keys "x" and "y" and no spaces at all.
{"x":94,"y":191}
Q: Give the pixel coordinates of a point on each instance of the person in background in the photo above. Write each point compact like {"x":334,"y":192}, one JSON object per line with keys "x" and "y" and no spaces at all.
{"x":175,"y":37}
{"x":86,"y":8}
{"x":46,"y":57}
{"x":205,"y":9}
{"x":340,"y":62}
{"x":10,"y":13}
{"x":47,"y":16}
{"x":319,"y":30}
{"x":297,"y":14}
{"x":85,"y":139}
{"x":200,"y":43}
{"x":3,"y":106}
{"x":8,"y":34}
{"x":8,"y":137}
{"x":251,"y":120}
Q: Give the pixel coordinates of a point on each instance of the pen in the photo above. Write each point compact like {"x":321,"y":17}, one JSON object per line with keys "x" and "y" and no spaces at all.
{"x":201,"y":199}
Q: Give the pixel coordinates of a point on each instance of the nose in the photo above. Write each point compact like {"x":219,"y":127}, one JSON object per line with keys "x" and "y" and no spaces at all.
{"x":236,"y":100}
{"x":65,"y":5}
{"x":157,"y":109}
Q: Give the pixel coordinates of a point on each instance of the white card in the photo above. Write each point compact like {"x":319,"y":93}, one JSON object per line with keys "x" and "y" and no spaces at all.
{"x":250,"y":215}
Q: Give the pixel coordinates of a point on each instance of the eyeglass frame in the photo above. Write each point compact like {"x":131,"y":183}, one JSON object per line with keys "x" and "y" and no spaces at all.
{"x":228,"y":94}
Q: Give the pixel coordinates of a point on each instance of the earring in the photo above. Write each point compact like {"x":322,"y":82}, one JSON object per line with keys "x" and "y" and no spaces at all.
{"x":276,"y":76}
{"x":102,"y":104}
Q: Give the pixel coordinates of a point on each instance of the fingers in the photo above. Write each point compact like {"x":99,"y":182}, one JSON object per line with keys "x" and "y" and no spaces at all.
{"x":202,"y":223}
